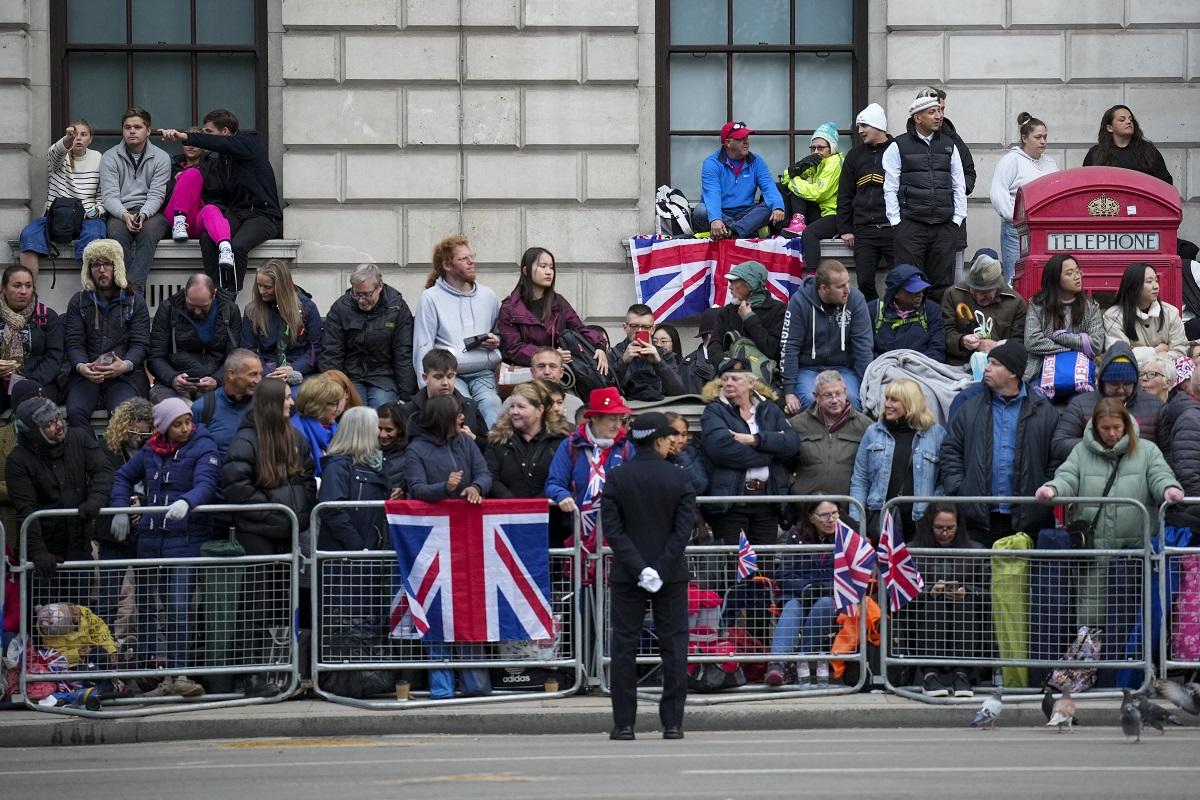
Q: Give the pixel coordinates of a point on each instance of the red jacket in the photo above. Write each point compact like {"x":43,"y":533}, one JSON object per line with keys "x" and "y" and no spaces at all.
{"x":522,"y":334}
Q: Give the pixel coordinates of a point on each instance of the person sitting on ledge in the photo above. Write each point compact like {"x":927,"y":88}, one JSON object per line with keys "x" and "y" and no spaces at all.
{"x":729,"y":181}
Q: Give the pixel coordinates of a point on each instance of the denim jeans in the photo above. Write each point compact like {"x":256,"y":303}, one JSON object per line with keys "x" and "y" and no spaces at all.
{"x":1010,"y":249}
{"x":744,"y":221}
{"x":812,"y":628}
{"x":806,"y":379}
{"x":481,"y":387}
{"x":373,"y":396}
{"x":165,"y":637}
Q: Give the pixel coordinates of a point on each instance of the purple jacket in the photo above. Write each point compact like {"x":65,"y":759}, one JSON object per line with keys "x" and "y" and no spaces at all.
{"x":522,"y":334}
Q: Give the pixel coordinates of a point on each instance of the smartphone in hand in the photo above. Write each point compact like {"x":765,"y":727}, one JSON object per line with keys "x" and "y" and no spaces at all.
{"x":642,"y":336}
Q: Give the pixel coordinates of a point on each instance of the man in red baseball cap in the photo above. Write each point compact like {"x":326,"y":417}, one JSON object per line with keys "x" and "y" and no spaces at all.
{"x":730,"y":181}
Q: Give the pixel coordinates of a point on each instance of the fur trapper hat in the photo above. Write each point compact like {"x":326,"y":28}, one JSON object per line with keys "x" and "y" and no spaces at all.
{"x":104,"y":250}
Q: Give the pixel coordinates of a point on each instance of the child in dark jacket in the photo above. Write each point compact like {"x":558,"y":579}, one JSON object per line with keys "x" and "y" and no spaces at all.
{"x":441,"y":464}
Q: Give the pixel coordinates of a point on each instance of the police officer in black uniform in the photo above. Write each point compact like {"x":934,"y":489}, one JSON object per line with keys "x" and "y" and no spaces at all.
{"x":647,"y":513}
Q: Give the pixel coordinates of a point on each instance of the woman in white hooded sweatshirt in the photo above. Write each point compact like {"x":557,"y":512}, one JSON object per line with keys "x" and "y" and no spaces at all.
{"x":1023,"y":163}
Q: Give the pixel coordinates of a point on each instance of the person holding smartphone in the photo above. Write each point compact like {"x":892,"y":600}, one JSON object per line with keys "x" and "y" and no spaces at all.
{"x":643,"y":371}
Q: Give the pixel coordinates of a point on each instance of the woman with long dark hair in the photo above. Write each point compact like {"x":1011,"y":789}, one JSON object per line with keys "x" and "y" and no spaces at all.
{"x":31,"y":336}
{"x":535,"y":315}
{"x":393,"y":441}
{"x":439,"y":463}
{"x":1120,"y":143}
{"x":268,"y":461}
{"x":1061,"y":317}
{"x":281,"y":325}
{"x":1139,"y":317}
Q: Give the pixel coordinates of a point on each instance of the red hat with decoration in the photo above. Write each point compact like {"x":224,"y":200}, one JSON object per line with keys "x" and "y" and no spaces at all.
{"x":606,"y":401}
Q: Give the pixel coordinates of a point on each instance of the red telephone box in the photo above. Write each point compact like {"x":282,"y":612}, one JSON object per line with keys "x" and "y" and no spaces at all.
{"x":1106,"y":218}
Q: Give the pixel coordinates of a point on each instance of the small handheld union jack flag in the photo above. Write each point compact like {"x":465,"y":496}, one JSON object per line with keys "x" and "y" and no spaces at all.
{"x":747,"y":558}
{"x":853,"y":565}
{"x":900,"y":574}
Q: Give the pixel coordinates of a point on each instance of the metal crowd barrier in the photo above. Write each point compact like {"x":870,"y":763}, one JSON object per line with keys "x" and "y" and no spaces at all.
{"x":213,"y":617}
{"x":354,"y":595}
{"x":749,"y":610}
{"x":1178,"y":606}
{"x":1019,"y":611}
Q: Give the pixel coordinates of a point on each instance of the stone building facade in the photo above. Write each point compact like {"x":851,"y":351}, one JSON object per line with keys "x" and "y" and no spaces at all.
{"x":520,"y":122}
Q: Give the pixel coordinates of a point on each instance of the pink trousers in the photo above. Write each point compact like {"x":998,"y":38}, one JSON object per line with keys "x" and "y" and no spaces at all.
{"x":185,"y":199}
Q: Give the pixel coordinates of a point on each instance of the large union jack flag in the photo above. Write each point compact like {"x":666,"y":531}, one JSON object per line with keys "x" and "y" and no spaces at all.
{"x":473,"y":573}
{"x":680,"y":278}
{"x":853,"y":565}
{"x":900,"y":574}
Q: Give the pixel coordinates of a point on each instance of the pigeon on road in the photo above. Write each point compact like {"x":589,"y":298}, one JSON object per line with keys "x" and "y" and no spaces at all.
{"x":1187,"y":697}
{"x":1155,"y":715}
{"x":1047,"y":703}
{"x":1063,"y":713}
{"x":987,"y":714}
{"x":1131,"y":719}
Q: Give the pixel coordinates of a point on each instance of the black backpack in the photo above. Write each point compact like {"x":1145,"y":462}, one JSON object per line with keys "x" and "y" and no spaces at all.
{"x":64,"y":220}
{"x":581,"y":375}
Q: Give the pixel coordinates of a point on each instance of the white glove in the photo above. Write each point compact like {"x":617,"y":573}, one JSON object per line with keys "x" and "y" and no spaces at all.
{"x":119,"y":527}
{"x":177,"y":510}
{"x":649,"y":580}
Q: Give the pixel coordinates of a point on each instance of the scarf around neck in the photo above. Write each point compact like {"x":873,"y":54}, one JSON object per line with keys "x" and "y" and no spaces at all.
{"x":12,"y":343}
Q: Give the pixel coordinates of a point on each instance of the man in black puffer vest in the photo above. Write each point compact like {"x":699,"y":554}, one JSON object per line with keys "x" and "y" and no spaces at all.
{"x":924,"y":192}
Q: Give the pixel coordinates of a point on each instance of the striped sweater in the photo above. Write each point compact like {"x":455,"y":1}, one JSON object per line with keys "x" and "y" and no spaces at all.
{"x":81,"y":180}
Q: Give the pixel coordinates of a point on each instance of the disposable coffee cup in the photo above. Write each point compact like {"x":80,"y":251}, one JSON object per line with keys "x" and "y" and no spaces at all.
{"x":401,"y":690}
{"x":551,"y":685}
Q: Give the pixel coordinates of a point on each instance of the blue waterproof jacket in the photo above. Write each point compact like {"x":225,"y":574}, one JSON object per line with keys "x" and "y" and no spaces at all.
{"x":722,"y":190}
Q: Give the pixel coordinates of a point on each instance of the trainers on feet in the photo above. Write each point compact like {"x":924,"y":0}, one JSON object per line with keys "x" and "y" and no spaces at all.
{"x":179,"y":231}
{"x":775,"y":676}
{"x":795,"y":227}
{"x":164,"y":689}
{"x":933,"y":686}
{"x":962,"y":686}
{"x":186,"y":687}
{"x":225,"y":257}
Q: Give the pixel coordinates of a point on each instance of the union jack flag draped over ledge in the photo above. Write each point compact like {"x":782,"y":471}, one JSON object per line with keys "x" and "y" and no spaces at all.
{"x":680,"y":278}
{"x":853,"y":565}
{"x":473,"y":573}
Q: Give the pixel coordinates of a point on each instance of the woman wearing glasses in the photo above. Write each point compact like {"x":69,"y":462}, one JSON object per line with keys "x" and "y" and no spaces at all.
{"x":1139,"y":317}
{"x":1156,"y":375}
{"x":1061,"y":319}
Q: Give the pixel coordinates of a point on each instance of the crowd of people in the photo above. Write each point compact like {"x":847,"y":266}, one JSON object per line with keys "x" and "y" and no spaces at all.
{"x":211,"y":403}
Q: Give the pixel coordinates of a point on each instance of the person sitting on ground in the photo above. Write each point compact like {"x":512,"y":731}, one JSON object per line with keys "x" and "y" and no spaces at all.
{"x":133,"y":187}
{"x":368,"y":334}
{"x":547,"y":366}
{"x":221,"y":412}
{"x":753,"y":312}
{"x":862,"y":217}
{"x":1117,"y":377}
{"x":905,"y":318}
{"x":72,"y":173}
{"x":393,"y":441}
{"x":814,"y":179}
{"x":830,"y":432}
{"x":31,"y":337}
{"x":805,"y":583}
{"x":441,"y":464}
{"x":998,"y":444}
{"x":827,"y":326}
{"x":945,"y":620}
{"x":439,"y":374}
{"x":981,"y":311}
{"x":1156,"y":376}
{"x":729,"y":200}
{"x":643,"y":371}
{"x":268,"y":462}
{"x":181,"y":469}
{"x":106,"y":334}
{"x":240,"y":182}
{"x":282,"y":325}
{"x":534,"y":315}
{"x":194,"y":331}
{"x":1062,"y":318}
{"x":459,"y":314}
{"x":53,"y":467}
{"x":318,"y":405}
{"x":1139,"y":317}
{"x":898,"y":457}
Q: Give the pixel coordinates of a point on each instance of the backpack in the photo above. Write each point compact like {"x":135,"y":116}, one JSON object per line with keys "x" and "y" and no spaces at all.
{"x":742,"y":346}
{"x":674,"y":212}
{"x":581,"y":375}
{"x":64,"y":220}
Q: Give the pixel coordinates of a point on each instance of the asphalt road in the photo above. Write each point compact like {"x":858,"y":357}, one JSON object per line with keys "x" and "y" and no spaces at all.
{"x":874,"y":763}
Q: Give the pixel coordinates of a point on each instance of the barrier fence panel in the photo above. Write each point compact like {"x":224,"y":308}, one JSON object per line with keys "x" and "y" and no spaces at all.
{"x":134,"y":637}
{"x":365,"y":653}
{"x":1178,"y":599}
{"x":782,"y":615}
{"x":1021,"y":617}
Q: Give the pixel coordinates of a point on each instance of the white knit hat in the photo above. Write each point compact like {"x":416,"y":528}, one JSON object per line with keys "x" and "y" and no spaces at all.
{"x":926,"y":98}
{"x":874,"y":116}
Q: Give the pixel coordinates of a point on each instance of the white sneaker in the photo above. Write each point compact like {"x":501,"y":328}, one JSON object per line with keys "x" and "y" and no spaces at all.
{"x":179,"y":231}
{"x":225,"y":259}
